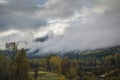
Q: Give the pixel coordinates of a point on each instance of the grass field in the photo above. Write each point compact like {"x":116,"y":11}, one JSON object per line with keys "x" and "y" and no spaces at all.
{"x":45,"y":76}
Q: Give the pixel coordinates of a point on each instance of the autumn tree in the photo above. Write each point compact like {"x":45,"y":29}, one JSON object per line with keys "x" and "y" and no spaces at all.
{"x":23,"y":66}
{"x":55,"y":62}
{"x":117,"y":59}
{"x":68,"y":68}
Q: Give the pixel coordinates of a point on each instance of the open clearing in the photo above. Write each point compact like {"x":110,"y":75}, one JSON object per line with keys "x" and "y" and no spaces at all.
{"x":45,"y":76}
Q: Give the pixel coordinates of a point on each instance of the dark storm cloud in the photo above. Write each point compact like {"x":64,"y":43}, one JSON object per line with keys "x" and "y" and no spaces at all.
{"x":19,"y":14}
{"x":64,"y":8}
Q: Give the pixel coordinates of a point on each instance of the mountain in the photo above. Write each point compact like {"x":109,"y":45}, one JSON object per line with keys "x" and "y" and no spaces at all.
{"x":44,"y":38}
{"x":37,"y":51}
{"x":77,"y":54}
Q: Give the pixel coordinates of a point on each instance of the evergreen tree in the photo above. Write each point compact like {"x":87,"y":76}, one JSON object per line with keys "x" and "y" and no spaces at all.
{"x":4,"y":68}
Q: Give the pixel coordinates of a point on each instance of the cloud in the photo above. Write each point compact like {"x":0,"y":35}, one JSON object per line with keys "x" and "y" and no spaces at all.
{"x":74,"y":24}
{"x":90,"y":28}
{"x":3,"y":1}
{"x":19,"y":14}
{"x":66,"y":8}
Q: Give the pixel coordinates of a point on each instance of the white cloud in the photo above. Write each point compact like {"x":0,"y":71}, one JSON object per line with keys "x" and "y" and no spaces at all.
{"x":7,"y":33}
{"x":3,"y":1}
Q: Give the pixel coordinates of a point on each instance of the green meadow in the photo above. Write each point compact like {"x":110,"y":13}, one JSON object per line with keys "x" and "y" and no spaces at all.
{"x":42,"y":75}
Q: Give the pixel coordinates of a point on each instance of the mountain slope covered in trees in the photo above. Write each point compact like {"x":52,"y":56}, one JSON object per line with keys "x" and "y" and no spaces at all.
{"x":99,"y":53}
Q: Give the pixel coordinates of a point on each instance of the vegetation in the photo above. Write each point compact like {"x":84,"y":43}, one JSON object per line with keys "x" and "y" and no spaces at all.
{"x":56,"y":67}
{"x":45,"y":75}
{"x":17,"y":69}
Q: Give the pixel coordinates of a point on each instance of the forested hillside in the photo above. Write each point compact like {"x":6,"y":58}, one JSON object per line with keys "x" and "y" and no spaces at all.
{"x":87,"y":65}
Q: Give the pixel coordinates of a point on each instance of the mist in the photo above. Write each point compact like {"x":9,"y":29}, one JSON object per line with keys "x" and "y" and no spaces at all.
{"x":69,"y":25}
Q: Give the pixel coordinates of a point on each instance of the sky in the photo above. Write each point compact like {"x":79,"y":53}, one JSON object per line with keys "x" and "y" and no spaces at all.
{"x":68,"y":24}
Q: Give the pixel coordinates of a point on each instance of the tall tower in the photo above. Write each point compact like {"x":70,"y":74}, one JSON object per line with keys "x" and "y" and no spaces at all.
{"x":11,"y":46}
{"x":12,"y":49}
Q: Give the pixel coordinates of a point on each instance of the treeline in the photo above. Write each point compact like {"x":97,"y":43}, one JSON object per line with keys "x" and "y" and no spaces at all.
{"x":14,"y":67}
{"x":113,"y":59}
{"x":68,"y":69}
{"x":72,"y":68}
